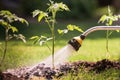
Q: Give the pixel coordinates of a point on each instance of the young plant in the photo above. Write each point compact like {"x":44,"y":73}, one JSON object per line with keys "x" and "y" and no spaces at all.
{"x":6,"y":20}
{"x":108,"y":19}
{"x":50,"y":19}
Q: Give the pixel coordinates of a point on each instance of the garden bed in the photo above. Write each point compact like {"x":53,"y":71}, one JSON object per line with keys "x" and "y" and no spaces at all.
{"x":40,"y":71}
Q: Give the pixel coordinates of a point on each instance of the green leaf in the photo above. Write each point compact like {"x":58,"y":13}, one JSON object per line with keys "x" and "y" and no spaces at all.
{"x":40,"y":14}
{"x":35,"y":13}
{"x":5,"y":12}
{"x":20,"y":36}
{"x":110,"y":22}
{"x":64,"y":31}
{"x":118,"y":30}
{"x":54,"y":7}
{"x":42,"y":42}
{"x":78,"y":29}
{"x":35,"y":41}
{"x":70,"y":27}
{"x":9,"y":17}
{"x":102,"y":19}
{"x":60,"y":31}
{"x":40,"y":17}
{"x":43,"y":37}
{"x":23,"y":21}
{"x":63,"y":7}
{"x":34,"y":37}
{"x":48,"y":39}
{"x":3,"y":23}
{"x":14,"y":29}
{"x":118,"y":16}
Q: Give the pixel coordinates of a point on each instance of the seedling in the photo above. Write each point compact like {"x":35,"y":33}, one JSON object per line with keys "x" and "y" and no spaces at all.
{"x":50,"y":18}
{"x":108,"y":19}
{"x":7,"y":18}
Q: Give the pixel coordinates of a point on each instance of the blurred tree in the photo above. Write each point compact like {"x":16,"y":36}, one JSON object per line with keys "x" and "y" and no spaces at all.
{"x":105,"y":2}
{"x":12,"y":5}
{"x":116,"y":4}
{"x":31,"y":5}
{"x":79,"y":8}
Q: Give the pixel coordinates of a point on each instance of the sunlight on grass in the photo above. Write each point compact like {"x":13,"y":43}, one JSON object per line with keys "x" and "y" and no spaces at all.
{"x":20,"y":54}
{"x":110,"y":74}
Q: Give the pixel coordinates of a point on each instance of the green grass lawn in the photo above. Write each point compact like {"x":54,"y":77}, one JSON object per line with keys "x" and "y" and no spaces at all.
{"x":93,"y":48}
{"x":110,"y":74}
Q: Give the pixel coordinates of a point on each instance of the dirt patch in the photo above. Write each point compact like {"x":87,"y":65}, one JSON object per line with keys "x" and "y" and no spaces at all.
{"x":46,"y":72}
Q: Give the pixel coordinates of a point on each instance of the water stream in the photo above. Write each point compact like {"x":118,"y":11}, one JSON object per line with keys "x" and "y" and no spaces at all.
{"x":60,"y":56}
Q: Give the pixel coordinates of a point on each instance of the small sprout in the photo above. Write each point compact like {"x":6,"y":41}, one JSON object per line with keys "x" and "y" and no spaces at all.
{"x":7,"y":18}
{"x":50,"y":18}
{"x":108,"y":19}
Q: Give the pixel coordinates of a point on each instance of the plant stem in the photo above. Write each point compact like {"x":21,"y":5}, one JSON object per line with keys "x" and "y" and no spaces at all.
{"x":107,"y":41}
{"x":53,"y":37}
{"x":53,"y":49}
{"x":5,"y":46}
{"x":48,"y":24}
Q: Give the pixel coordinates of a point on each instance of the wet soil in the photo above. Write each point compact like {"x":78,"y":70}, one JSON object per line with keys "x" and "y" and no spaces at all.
{"x":40,"y":71}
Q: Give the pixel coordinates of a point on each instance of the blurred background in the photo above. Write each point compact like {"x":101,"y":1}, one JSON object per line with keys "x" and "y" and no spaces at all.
{"x":85,"y":13}
{"x":80,"y":9}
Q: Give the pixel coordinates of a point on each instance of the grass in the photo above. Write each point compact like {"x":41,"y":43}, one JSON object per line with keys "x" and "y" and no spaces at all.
{"x":93,"y":49}
{"x":110,"y":74}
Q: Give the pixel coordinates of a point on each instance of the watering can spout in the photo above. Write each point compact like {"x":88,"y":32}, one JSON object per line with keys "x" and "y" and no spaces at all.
{"x":76,"y":42}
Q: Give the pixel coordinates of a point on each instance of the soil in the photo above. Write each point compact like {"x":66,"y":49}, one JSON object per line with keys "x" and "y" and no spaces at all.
{"x":46,"y":72}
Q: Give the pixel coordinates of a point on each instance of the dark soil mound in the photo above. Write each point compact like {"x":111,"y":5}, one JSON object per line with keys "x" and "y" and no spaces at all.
{"x":47,"y":72}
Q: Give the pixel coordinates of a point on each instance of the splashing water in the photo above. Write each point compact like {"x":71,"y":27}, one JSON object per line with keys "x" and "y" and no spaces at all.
{"x":60,"y":57}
